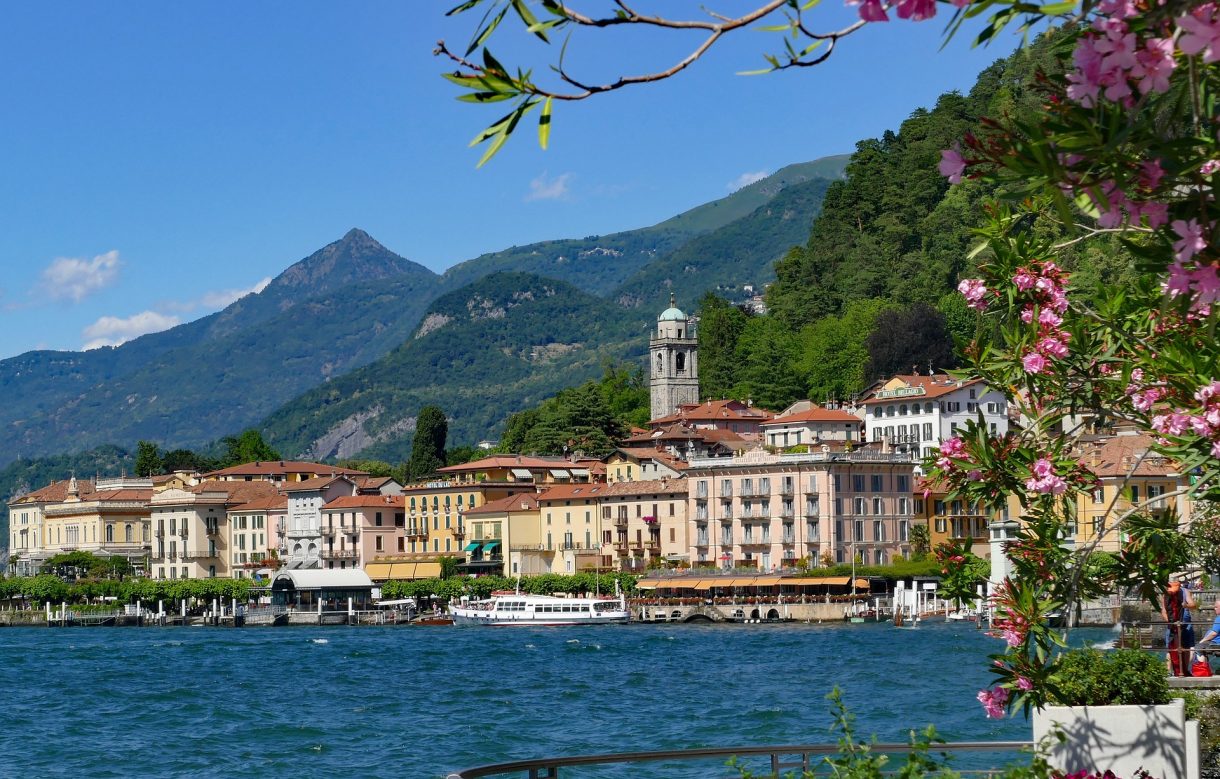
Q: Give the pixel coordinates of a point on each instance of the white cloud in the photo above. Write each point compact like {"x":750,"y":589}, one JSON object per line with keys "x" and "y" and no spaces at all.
{"x":553,"y":189}
{"x":224,"y":297}
{"x":746,"y":179}
{"x":113,"y":330}
{"x":74,"y":278}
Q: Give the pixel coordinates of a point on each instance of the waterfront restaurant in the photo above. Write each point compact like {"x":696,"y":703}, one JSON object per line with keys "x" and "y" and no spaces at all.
{"x":322,"y":589}
{"x":791,"y":589}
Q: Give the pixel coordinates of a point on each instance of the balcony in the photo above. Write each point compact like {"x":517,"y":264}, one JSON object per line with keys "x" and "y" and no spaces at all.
{"x":787,"y":512}
{"x":787,"y":489}
{"x":339,"y":554}
{"x":701,"y":541}
{"x":620,"y":521}
{"x":459,"y":532}
{"x":328,"y":532}
{"x":789,"y":539}
{"x":417,"y":531}
{"x":652,"y":546}
{"x":211,"y":530}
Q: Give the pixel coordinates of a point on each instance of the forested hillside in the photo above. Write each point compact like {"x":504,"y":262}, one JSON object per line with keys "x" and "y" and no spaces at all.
{"x":503,"y":343}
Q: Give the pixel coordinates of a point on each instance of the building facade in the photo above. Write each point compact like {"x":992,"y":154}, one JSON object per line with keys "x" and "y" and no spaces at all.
{"x":357,"y":529}
{"x":253,"y":540}
{"x":766,"y":511}
{"x":192,"y":533}
{"x":110,"y":521}
{"x":808,"y":424}
{"x":302,"y":531}
{"x":915,"y":413}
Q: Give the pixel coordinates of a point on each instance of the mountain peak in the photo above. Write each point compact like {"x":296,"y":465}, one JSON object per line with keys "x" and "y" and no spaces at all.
{"x":355,"y":235}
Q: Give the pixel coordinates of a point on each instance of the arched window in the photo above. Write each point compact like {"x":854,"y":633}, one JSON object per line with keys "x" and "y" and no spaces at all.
{"x":681,"y":362}
{"x":110,"y":534}
{"x":660,"y":363}
{"x":127,"y":534}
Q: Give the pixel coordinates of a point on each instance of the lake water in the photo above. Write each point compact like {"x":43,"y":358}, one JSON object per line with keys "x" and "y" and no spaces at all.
{"x":418,"y":701}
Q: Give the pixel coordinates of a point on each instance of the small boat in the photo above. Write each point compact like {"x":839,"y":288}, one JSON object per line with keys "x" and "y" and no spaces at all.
{"x":514,"y":608}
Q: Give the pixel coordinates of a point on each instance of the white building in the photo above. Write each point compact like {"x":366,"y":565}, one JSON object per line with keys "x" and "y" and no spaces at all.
{"x":191,"y":530}
{"x":915,"y":413}
{"x":674,"y":361}
{"x":804,"y":423}
{"x":303,"y":525}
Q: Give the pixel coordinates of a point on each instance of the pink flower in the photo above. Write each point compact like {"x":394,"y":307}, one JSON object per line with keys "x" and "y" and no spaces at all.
{"x":1210,"y":167}
{"x":952,"y":164}
{"x":1156,"y":213}
{"x":974,"y":474}
{"x":974,"y":292}
{"x":1178,"y":281}
{"x":993,"y":701}
{"x":1012,"y":637}
{"x":953,"y":447}
{"x":1208,"y":391}
{"x":1049,"y":318}
{"x":1053,"y":347}
{"x":916,"y":10}
{"x":1206,"y":286}
{"x":1034,"y":363}
{"x":1151,"y":171}
{"x":871,"y":10}
{"x":1200,"y":33}
{"x":1043,"y":467}
{"x":1215,"y":448}
{"x":1155,"y":64}
{"x":1023,"y":683}
{"x":1024,"y":280}
{"x":1191,"y":242}
{"x":1145,"y":400}
{"x":1027,"y":314}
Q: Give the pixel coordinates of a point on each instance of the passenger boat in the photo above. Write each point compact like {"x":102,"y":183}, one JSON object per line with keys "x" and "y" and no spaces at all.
{"x":514,"y":608}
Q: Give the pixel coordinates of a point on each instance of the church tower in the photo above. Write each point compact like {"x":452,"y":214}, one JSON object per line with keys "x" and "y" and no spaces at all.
{"x":674,"y":362}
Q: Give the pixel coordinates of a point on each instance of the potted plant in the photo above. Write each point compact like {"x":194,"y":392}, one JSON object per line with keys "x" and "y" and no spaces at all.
{"x":1113,"y":710}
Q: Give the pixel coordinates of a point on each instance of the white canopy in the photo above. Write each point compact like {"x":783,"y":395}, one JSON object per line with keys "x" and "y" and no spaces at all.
{"x":323,"y":579}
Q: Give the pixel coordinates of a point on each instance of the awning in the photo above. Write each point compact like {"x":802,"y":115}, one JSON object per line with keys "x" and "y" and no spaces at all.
{"x":705,"y":584}
{"x":490,"y":546}
{"x":560,"y":473}
{"x":647,"y":584}
{"x":522,"y":473}
{"x":767,"y":581}
{"x":580,"y":471}
{"x":473,"y":545}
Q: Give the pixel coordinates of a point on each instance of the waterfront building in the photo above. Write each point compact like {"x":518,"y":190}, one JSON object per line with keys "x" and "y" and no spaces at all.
{"x":915,"y":413}
{"x":673,"y":354}
{"x":28,"y":548}
{"x":764,"y":511}
{"x":807,"y":424}
{"x":954,"y":520}
{"x":570,"y":529}
{"x":253,"y":538}
{"x":642,"y":463}
{"x":302,"y":530}
{"x":1128,"y":474}
{"x":111,"y":521}
{"x":279,"y":471}
{"x":644,"y":523}
{"x":359,"y":528}
{"x":505,"y":538}
{"x":192,"y":533}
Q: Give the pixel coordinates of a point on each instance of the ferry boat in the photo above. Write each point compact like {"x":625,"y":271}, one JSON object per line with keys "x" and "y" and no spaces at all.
{"x":514,"y":608}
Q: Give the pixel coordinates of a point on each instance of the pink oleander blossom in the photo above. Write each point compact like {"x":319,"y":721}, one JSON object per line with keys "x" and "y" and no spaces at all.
{"x":1178,"y":280}
{"x":1024,"y":280}
{"x":952,"y":164}
{"x":1155,"y":63}
{"x":916,"y":10}
{"x":975,"y":293}
{"x":871,"y":10}
{"x":1192,"y":241}
{"x":1053,"y":347}
{"x":1200,"y":33}
{"x":1012,"y":637}
{"x":1034,"y":363}
{"x":1044,"y":479}
{"x":994,"y":701}
{"x":1208,"y":391}
{"x":1206,"y":285}
{"x":1151,"y":172}
{"x":1210,"y":167}
{"x":1024,"y":683}
{"x":1049,"y":318}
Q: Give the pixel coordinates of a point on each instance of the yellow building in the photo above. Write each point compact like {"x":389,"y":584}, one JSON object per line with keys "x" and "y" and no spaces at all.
{"x":570,"y":528}
{"x":1129,"y":474}
{"x":639,"y":463}
{"x":279,"y":471}
{"x":505,"y":537}
{"x":953,"y":520}
{"x":27,"y":545}
{"x":644,"y":522}
{"x":112,"y":520}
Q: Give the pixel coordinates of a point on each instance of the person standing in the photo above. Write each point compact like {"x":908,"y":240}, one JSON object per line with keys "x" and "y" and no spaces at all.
{"x":1179,"y":631}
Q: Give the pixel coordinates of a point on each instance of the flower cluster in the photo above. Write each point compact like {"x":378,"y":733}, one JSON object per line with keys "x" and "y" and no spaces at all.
{"x":1042,"y":287}
{"x":1189,"y":275}
{"x":994,"y":701}
{"x":915,"y":10}
{"x":950,"y":449}
{"x":1113,"y":62}
{"x":975,"y":293}
{"x":1044,"y":479}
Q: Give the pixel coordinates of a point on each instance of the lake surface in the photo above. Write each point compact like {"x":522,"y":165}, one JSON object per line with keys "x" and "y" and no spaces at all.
{"x":418,"y":701}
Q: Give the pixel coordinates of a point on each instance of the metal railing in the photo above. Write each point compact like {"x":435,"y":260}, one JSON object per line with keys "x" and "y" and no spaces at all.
{"x":800,"y":757}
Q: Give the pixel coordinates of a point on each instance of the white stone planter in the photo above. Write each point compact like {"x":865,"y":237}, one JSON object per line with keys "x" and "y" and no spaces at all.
{"x":1158,"y":739}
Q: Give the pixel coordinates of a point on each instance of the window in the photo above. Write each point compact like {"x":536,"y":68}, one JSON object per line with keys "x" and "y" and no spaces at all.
{"x":110,"y":534}
{"x":877,"y":481}
{"x":377,"y":517}
{"x":878,"y":508}
{"x":859,"y":507}
{"x":1099,"y":495}
{"x":953,"y":406}
{"x":940,"y":524}
{"x":927,"y":431}
{"x":857,"y":483}
{"x":838,"y":482}
{"x":858,"y":529}
{"x":380,"y":542}
{"x":904,"y":507}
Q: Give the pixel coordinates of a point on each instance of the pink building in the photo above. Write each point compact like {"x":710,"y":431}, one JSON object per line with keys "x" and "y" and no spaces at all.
{"x":767,"y":511}
{"x":357,"y":529}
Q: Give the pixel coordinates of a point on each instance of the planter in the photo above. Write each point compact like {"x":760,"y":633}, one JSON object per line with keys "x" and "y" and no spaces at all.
{"x":1123,"y":739}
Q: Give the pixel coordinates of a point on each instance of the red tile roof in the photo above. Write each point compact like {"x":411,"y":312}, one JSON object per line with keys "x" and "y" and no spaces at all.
{"x":715,"y":410}
{"x":815,"y":414}
{"x":660,"y":455}
{"x":316,"y":483}
{"x":1117,"y":456}
{"x":365,"y":501}
{"x":622,"y":489}
{"x":56,"y":492}
{"x":269,"y":503}
{"x":571,"y":492}
{"x":508,"y":461}
{"x":527,"y":501}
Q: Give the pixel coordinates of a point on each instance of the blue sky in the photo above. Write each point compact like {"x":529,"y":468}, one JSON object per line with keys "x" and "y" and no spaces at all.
{"x":157,"y":159}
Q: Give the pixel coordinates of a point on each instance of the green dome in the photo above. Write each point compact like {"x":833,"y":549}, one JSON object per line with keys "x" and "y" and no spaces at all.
{"x":673,"y":313}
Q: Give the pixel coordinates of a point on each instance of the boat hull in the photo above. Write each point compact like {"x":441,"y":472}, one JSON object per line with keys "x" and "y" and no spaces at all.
{"x":470,"y":617}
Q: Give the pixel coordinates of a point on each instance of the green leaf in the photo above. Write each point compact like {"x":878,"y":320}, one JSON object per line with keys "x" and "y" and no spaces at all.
{"x":486,"y":33}
{"x":528,"y":19}
{"x":544,"y":124}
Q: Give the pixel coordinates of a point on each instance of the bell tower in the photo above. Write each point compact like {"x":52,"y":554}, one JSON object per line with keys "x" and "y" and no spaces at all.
{"x":673,"y":362}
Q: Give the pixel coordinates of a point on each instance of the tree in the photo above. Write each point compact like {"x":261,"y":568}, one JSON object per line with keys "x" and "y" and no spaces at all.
{"x":720,"y":327}
{"x":766,"y":353}
{"x":833,"y":352}
{"x":148,"y":459}
{"x":246,"y":447}
{"x":920,"y":541}
{"x":909,"y":340}
{"x":428,"y":445}
{"x":186,"y":460}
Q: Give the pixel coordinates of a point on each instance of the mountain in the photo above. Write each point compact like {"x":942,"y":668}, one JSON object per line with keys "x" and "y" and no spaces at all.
{"x":500,"y":344}
{"x":196,"y":382}
{"x":740,"y":252}
{"x":599,"y":264}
